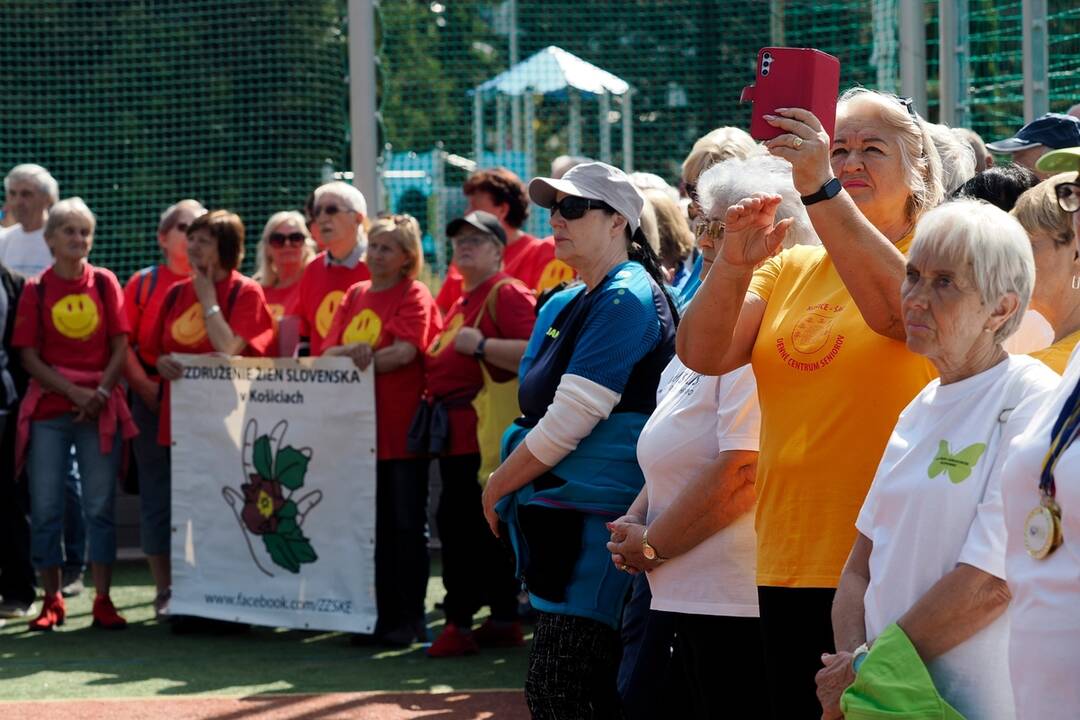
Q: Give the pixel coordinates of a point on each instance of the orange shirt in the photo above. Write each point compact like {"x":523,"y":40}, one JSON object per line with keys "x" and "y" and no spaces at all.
{"x":529,"y":259}
{"x":830,"y":391}
{"x":1056,"y":357}
{"x":404,"y":312}
{"x":321,"y":289}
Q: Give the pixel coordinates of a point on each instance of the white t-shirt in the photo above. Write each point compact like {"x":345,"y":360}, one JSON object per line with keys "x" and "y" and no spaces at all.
{"x":1044,"y":632}
{"x":697,"y":417}
{"x":935,"y":502}
{"x":25,"y":253}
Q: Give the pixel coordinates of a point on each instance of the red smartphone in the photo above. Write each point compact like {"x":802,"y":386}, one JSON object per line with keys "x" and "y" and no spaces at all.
{"x":793,"y":78}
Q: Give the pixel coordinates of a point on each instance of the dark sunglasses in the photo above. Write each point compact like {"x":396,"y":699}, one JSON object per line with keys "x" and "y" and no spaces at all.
{"x":330,"y":210}
{"x":713,"y":229}
{"x":572,"y":208}
{"x":182,"y":227}
{"x":1068,"y":196}
{"x":278,"y":239}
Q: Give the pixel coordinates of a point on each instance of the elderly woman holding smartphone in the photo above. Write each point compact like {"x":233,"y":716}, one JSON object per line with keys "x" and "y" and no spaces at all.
{"x":572,"y":465}
{"x":926,"y":572}
{"x":822,"y":329}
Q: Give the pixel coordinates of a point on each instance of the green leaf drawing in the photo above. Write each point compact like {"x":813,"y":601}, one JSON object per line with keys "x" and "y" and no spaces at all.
{"x":288,"y":528}
{"x":262,"y":457}
{"x":289,"y":551}
{"x":290,"y":466}
{"x":288,"y":510}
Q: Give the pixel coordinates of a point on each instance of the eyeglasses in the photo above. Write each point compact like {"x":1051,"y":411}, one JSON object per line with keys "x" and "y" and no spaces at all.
{"x":278,"y":239}
{"x":712,"y":229}
{"x":1068,"y":196}
{"x":909,"y":105}
{"x":182,"y":227}
{"x":474,"y":239}
{"x":330,"y":210}
{"x":572,"y":207}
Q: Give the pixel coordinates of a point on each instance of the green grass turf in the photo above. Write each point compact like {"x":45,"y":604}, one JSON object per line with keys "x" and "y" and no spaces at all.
{"x":79,"y":661}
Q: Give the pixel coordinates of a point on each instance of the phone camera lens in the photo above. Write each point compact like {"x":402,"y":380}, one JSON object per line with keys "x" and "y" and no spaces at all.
{"x":767,"y":57}
{"x":764,"y":71}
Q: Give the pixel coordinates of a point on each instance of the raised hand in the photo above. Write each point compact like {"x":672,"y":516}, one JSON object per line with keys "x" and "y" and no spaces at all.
{"x":751,"y":233}
{"x":805,"y":145}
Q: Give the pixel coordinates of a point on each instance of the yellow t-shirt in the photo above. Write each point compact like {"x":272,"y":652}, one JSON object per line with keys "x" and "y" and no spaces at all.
{"x":1056,"y":357}
{"x":830,"y":391}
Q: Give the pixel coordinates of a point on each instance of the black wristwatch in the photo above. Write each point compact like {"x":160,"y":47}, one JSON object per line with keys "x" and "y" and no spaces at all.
{"x":478,"y":353}
{"x":829,"y":190}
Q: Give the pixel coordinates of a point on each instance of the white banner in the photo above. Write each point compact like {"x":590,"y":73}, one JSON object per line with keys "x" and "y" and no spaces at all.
{"x":273,"y":492}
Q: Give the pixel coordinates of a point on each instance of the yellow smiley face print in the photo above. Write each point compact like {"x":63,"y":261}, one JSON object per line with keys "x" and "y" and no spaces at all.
{"x":189,"y":328}
{"x":325,"y":314}
{"x":76,"y":316}
{"x":446,"y":337}
{"x":554,"y":273}
{"x":365,"y":327}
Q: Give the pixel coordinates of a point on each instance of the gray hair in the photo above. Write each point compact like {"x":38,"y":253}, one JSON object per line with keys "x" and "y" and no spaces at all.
{"x":922,"y":164}
{"x":29,"y":172}
{"x":957,"y":157}
{"x":265,"y":273}
{"x":729,"y":181}
{"x":991,"y":242}
{"x":66,"y":209}
{"x":167,"y":221}
{"x":349,"y":193}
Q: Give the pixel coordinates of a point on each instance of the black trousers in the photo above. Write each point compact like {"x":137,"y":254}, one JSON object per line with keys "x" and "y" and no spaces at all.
{"x":796,"y":628}
{"x":721,"y":666}
{"x":573,"y":664}
{"x":16,"y":573}
{"x":401,"y":555}
{"x":477,"y":568}
{"x":647,"y":677}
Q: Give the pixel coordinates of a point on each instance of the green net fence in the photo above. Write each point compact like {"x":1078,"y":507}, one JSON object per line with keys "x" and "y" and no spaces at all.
{"x":244,"y":103}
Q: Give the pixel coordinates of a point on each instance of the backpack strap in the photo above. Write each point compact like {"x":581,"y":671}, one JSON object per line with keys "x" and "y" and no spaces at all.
{"x":230,"y":302}
{"x":492,"y":300}
{"x":144,"y":290}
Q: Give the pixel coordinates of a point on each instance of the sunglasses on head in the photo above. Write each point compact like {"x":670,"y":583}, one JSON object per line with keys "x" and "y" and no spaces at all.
{"x":278,"y":239}
{"x":1068,"y":196}
{"x":572,"y":207}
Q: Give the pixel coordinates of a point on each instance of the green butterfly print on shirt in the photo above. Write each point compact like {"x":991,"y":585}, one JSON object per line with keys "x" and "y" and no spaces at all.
{"x":959,"y":465}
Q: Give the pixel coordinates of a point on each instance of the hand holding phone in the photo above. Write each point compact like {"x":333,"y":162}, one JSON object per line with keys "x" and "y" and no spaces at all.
{"x":793,"y":78}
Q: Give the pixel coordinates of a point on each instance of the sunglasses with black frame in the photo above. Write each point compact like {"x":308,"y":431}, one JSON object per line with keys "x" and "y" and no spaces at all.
{"x":278,"y":239}
{"x":572,"y":207}
{"x":1068,"y":196}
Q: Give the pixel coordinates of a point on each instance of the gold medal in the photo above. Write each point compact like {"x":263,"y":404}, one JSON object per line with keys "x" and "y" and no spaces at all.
{"x":1042,"y":529}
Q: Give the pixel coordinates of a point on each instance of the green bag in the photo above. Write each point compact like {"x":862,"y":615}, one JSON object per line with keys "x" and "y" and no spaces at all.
{"x":894,"y":683}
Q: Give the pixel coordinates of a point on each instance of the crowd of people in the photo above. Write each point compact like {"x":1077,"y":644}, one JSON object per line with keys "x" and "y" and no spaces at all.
{"x":783,"y":440}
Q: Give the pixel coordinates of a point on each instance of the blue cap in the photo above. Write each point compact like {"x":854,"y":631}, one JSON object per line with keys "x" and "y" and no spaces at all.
{"x":1052,"y":130}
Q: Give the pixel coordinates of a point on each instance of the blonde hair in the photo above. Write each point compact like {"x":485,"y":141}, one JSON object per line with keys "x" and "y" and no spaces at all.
{"x":265,"y":272}
{"x":718,"y":145}
{"x":675,"y":238}
{"x":919,"y":155}
{"x":66,"y":209}
{"x":405,"y":231}
{"x":1038,"y":210}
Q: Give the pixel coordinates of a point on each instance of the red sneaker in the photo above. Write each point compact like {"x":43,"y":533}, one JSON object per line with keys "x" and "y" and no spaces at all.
{"x":453,"y":642}
{"x":52,"y":613}
{"x":503,"y":634}
{"x":105,"y":615}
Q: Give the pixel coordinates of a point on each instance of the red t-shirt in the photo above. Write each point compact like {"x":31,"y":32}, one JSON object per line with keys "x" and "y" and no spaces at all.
{"x":180,"y":327}
{"x":529,"y":259}
{"x":321,"y":289}
{"x":284,"y":304}
{"x":452,"y":373}
{"x":143,"y":296}
{"x":404,"y":312}
{"x":72,"y":327}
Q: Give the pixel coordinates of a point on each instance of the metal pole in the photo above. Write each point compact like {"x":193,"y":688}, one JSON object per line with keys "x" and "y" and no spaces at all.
{"x":776,"y":22}
{"x":515,"y":102}
{"x":438,"y":225}
{"x":605,"y":127}
{"x":363,"y":108}
{"x":913,"y":54}
{"x":530,"y":134}
{"x":1036,"y":60}
{"x":628,"y":131}
{"x":574,"y":131}
{"x":953,"y":61}
{"x":478,"y":127}
{"x":500,"y":122}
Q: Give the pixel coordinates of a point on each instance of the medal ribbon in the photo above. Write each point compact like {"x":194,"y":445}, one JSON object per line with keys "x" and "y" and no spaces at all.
{"x":1062,"y":435}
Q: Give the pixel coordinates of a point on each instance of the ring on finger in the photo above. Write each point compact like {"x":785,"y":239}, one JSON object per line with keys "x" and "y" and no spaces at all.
{"x":797,"y":142}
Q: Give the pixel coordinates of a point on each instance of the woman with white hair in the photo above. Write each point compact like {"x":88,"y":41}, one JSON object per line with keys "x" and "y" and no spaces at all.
{"x":823,"y":329}
{"x":698,"y":452}
{"x":73,"y":337}
{"x":339,"y":211}
{"x":144,"y":297}
{"x":285,"y":249}
{"x":927,"y":570}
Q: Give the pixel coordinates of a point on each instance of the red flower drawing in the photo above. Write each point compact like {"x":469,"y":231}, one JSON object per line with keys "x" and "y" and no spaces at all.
{"x":262,"y":500}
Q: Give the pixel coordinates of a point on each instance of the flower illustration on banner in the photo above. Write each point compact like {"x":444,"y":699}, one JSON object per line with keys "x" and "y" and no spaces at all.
{"x":268,"y":504}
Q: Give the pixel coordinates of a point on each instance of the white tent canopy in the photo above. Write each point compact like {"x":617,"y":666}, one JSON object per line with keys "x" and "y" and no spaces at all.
{"x":553,"y":72}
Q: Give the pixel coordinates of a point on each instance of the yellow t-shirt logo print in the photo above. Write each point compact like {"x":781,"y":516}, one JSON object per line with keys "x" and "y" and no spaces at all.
{"x":958,"y":466}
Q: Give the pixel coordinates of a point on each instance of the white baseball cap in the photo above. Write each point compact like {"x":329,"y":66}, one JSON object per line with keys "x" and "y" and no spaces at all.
{"x":595,"y":181}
